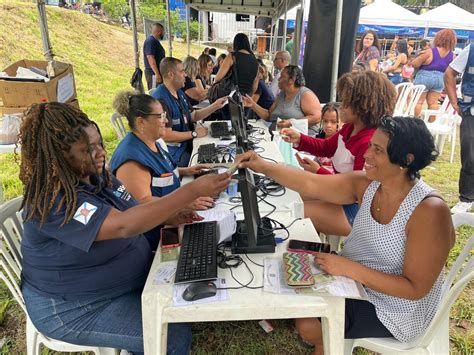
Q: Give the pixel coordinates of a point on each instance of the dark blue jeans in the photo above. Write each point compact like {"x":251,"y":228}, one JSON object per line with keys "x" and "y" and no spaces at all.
{"x":114,"y":323}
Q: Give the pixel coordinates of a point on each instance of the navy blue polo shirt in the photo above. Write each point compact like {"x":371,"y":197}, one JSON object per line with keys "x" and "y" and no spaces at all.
{"x":65,"y":261}
{"x":153,"y":47}
{"x":266,"y":98}
{"x":179,"y":113}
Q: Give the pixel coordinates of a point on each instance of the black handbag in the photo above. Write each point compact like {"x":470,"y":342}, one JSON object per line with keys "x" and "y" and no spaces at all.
{"x":224,"y":86}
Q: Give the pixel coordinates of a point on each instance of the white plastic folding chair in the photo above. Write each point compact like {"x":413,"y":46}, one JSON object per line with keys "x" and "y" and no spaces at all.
{"x":117,"y":123}
{"x":414,"y":97}
{"x":444,"y":125}
{"x":403,"y":90}
{"x":435,"y":340}
{"x":11,"y":230}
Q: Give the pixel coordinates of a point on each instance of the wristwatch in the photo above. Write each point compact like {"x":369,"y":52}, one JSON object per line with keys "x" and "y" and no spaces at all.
{"x":194,"y":134}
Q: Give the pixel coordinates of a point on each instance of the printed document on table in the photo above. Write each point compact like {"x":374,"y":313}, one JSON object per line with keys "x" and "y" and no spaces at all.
{"x":178,"y":290}
{"x":325,"y":285}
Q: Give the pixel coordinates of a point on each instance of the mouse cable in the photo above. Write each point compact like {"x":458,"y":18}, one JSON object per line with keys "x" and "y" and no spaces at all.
{"x":221,"y":250}
{"x":253,"y":262}
{"x":191,"y":159}
{"x":266,"y":158}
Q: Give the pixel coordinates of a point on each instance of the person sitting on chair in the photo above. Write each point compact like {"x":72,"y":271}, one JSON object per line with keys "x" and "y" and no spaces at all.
{"x":361,"y":111}
{"x":85,"y":258}
{"x":295,"y":100}
{"x":143,"y":166}
{"x":193,"y":93}
{"x":181,"y":115}
{"x":401,"y":236}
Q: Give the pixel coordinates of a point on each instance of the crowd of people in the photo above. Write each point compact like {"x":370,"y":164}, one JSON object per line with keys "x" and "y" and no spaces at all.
{"x":91,"y":228}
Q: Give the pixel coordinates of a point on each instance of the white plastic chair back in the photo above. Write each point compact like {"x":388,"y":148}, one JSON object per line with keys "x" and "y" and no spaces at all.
{"x":117,"y":123}
{"x":11,"y":231}
{"x":403,"y":90}
{"x":444,"y":125}
{"x":10,"y":264}
{"x":458,"y":220}
{"x":435,"y":340}
{"x":415,"y":94}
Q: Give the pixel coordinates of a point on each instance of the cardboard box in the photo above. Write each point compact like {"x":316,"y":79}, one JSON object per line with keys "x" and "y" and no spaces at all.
{"x":61,"y":88}
{"x":20,"y":110}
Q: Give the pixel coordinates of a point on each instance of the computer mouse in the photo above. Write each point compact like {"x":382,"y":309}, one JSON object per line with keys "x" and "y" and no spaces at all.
{"x":199,"y":290}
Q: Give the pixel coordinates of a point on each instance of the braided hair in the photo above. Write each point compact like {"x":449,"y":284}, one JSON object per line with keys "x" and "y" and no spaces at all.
{"x":46,"y":134}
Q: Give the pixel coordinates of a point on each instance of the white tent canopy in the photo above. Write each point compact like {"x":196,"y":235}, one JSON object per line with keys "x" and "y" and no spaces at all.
{"x":448,"y":16}
{"x":385,"y":12}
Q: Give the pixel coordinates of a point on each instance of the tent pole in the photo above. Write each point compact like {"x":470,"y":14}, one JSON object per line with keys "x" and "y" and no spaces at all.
{"x":277,"y":30}
{"x":187,"y":30}
{"x":199,"y":32}
{"x":168,"y":13}
{"x":298,"y":34}
{"x":48,"y":51}
{"x":283,"y":44}
{"x":135,"y":33}
{"x":335,"y":56}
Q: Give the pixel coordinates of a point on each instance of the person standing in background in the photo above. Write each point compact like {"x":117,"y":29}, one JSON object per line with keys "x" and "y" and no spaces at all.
{"x":281,"y":61}
{"x":464,"y":63}
{"x":153,"y":53}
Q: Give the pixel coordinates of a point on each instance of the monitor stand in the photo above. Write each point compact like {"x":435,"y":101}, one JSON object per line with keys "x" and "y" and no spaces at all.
{"x":265,"y":239}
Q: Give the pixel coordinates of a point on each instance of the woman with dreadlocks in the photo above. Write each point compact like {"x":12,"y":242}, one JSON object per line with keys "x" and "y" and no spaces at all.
{"x":85,"y":259}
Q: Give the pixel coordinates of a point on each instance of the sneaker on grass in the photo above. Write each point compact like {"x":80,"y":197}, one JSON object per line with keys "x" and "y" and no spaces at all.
{"x":461,"y":207}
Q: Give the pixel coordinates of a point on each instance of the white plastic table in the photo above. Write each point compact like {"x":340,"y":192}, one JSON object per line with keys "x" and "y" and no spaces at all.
{"x":243,"y":304}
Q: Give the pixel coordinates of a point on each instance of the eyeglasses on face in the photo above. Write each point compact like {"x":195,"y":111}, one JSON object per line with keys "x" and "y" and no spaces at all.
{"x":160,"y":116}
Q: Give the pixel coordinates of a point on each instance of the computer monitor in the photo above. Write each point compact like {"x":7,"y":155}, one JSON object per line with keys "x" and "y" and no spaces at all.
{"x":253,"y":234}
{"x":239,"y":125}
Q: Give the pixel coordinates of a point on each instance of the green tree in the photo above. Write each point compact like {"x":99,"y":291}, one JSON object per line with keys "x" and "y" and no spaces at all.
{"x":115,"y":9}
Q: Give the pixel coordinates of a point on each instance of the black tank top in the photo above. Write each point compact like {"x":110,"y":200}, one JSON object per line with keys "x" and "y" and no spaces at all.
{"x":247,"y":67}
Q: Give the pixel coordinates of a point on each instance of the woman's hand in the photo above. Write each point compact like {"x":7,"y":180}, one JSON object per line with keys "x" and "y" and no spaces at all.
{"x":184,"y":216}
{"x":248,"y":101}
{"x":284,"y":124}
{"x":192,"y":170}
{"x":210,"y":184}
{"x":308,"y":164}
{"x":251,"y":160}
{"x":293,"y":136}
{"x":201,"y":203}
{"x":333,"y":264}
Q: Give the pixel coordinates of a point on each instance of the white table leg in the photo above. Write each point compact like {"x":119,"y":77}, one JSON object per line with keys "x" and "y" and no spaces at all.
{"x":333,"y":327}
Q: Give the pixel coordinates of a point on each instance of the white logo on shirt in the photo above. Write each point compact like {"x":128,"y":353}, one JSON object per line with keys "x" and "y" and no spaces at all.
{"x":85,"y":212}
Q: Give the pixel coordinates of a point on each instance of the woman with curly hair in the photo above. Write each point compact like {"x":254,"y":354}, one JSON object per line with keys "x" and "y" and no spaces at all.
{"x":401,"y":236}
{"x":433,"y":62}
{"x":360,"y":111}
{"x":85,"y":258}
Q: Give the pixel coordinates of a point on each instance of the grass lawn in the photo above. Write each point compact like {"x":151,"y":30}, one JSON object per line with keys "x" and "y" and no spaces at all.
{"x":103,"y":64}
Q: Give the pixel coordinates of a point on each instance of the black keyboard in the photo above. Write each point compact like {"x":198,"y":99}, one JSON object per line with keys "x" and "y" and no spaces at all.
{"x":219,"y":129}
{"x":198,"y":255}
{"x":207,"y":153}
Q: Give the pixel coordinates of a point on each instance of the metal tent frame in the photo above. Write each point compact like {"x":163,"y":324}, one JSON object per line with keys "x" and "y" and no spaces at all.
{"x":269,"y":8}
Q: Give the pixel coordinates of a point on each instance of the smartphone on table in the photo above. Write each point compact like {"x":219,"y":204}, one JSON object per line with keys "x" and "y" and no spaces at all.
{"x":303,"y":246}
{"x":169,"y":237}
